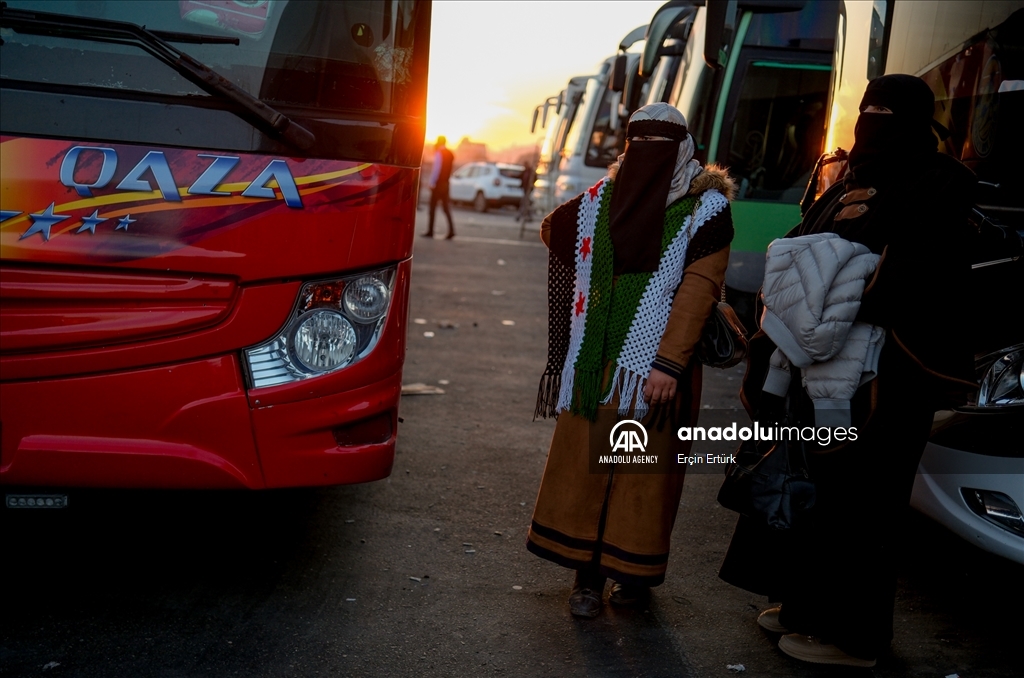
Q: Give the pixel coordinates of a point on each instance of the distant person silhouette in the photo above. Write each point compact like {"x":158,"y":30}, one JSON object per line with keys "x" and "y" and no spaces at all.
{"x":439,"y":176}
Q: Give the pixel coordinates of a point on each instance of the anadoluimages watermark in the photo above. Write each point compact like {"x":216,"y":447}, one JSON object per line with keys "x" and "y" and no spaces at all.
{"x":628,"y":446}
{"x":822,"y":435}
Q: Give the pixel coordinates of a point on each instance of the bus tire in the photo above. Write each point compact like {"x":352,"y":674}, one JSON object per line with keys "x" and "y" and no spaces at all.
{"x":480,"y":202}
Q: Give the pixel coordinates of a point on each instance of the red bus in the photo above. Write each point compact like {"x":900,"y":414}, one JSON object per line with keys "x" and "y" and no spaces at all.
{"x":206,"y":221}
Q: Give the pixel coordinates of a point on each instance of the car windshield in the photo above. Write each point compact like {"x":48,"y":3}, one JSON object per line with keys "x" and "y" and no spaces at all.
{"x":353,"y":55}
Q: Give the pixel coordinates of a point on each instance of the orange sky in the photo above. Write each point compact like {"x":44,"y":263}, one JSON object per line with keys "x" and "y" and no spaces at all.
{"x":492,"y":62}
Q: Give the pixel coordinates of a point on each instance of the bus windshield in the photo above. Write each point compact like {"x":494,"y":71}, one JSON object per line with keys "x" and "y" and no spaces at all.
{"x":605,"y":144}
{"x":573,"y":129}
{"x":353,"y":56}
{"x":776,"y":134}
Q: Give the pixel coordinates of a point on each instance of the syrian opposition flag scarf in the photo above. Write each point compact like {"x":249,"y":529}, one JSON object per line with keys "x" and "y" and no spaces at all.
{"x":593,"y":324}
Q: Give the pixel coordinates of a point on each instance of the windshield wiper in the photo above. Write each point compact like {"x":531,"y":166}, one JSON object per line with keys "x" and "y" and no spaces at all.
{"x":194,"y":38}
{"x":122,"y":32}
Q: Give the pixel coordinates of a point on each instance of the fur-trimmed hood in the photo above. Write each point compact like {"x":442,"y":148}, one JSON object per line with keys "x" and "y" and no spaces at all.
{"x":713,"y":176}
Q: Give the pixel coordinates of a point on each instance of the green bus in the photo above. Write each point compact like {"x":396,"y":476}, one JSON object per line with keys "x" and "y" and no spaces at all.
{"x":753,"y":83}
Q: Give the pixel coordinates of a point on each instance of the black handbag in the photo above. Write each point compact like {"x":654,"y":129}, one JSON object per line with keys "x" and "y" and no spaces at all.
{"x":773,"y":488}
{"x":723,"y":341}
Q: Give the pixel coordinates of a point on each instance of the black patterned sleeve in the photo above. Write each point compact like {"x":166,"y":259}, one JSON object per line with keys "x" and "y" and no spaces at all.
{"x":712,"y":236}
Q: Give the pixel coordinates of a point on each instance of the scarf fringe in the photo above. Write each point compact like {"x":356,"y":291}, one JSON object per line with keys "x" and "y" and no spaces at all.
{"x":547,"y":395}
{"x":587,"y":393}
{"x":630,"y":387}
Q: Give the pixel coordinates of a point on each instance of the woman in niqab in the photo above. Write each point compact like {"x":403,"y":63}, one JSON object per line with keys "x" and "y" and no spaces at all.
{"x":636,"y":264}
{"x":835,"y":577}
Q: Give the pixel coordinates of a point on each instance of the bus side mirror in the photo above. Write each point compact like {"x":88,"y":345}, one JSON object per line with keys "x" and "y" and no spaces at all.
{"x":614,"y":105}
{"x":663,"y":20}
{"x":720,"y":24}
{"x":533,"y":125}
{"x":617,"y":83}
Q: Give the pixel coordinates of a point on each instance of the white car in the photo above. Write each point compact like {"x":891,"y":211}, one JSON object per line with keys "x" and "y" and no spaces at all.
{"x":971,"y":477}
{"x":487,"y":184}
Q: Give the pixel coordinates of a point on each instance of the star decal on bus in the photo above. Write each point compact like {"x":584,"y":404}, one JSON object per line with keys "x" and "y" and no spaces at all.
{"x":90,"y":222}
{"x":122,"y":223}
{"x":42,"y":222}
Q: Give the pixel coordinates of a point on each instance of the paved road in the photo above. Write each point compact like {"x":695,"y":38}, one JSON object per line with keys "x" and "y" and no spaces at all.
{"x":425,"y":573}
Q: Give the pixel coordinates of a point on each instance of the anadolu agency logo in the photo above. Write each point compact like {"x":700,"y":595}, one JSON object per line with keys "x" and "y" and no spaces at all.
{"x":628,"y":436}
{"x":626,"y":450}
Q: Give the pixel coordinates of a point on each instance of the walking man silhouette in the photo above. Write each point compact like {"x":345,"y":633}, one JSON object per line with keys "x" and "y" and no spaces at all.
{"x":439,"y":176}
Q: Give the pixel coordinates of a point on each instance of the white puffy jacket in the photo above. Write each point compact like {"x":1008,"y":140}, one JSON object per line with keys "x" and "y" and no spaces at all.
{"x":812,"y":290}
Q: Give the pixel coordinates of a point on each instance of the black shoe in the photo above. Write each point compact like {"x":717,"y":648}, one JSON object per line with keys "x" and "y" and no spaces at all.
{"x":585,"y":599}
{"x":451,"y":234}
{"x":427,"y":235}
{"x":629,"y":595}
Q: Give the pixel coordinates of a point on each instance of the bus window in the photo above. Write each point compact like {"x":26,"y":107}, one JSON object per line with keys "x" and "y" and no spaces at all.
{"x":812,"y":28}
{"x":876,"y":50}
{"x":572,"y":130}
{"x":777,"y":129}
{"x":978,"y":98}
{"x":605,"y":143}
{"x":565,"y":127}
{"x":299,"y":46}
{"x":313,"y":58}
{"x":664,"y":74}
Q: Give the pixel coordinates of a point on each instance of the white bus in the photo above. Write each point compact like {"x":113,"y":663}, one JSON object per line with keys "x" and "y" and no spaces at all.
{"x":564,"y":108}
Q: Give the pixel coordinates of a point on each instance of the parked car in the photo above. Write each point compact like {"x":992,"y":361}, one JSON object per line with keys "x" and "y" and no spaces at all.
{"x":487,"y":184}
{"x":971,"y":477}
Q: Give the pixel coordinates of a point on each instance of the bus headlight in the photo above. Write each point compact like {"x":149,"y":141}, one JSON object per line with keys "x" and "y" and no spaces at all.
{"x":366,"y":299}
{"x":324,"y":341}
{"x":334,"y":324}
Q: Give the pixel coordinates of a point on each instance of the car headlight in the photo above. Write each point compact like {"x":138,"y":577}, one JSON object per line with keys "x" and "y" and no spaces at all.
{"x":1002,"y":378}
{"x":334,"y":324}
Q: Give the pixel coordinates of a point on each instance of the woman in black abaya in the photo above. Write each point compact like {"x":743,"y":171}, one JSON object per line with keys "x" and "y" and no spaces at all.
{"x":835,"y":577}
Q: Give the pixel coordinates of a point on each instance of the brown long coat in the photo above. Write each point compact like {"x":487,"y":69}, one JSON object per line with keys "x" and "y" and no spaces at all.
{"x":622,"y":522}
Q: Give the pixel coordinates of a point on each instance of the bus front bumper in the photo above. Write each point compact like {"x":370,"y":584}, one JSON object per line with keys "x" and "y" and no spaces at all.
{"x":193,"y":425}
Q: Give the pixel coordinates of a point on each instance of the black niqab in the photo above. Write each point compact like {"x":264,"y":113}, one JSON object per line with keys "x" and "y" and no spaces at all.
{"x":887,"y":143}
{"x":637,"y":211}
{"x":639,"y":196}
{"x":917,"y":217}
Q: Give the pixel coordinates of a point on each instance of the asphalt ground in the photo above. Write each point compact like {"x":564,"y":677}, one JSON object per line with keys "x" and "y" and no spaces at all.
{"x":425,"y":573}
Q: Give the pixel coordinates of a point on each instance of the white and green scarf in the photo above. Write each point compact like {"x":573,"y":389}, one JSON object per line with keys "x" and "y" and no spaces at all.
{"x":622,"y":324}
